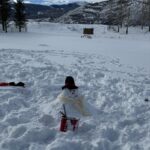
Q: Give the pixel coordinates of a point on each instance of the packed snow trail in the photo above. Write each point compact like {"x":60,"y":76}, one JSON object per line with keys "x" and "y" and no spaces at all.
{"x":29,"y":118}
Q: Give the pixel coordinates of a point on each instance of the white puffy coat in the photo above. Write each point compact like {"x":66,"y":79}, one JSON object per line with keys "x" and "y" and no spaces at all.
{"x":74,"y":103}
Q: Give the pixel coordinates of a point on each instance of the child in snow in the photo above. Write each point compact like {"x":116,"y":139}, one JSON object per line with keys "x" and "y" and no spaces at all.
{"x":72,"y":100}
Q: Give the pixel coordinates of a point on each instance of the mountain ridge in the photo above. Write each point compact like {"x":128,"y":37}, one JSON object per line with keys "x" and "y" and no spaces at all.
{"x":82,"y":13}
{"x":98,"y":13}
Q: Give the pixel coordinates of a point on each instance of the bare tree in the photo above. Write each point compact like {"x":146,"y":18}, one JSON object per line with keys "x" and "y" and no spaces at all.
{"x":127,"y":20}
{"x":143,"y":15}
{"x":122,"y":13}
{"x":110,"y":13}
{"x":146,"y":13}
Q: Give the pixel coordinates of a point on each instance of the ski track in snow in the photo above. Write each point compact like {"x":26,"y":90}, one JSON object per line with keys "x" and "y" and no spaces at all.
{"x":28,"y":116}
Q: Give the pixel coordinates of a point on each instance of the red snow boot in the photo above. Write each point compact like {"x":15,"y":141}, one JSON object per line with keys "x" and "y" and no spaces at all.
{"x":74,"y":123}
{"x":63,"y":124}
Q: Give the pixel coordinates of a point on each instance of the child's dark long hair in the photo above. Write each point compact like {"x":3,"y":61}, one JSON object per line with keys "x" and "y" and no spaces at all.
{"x":69,"y":83}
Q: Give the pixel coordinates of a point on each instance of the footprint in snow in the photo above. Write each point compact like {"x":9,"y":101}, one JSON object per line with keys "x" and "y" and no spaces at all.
{"x":43,"y":45}
{"x":47,"y":120}
{"x":19,"y":131}
{"x":110,"y":134}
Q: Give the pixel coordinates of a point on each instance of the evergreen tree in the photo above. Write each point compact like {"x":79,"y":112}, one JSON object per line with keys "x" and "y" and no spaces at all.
{"x":148,"y":17}
{"x":0,"y":14}
{"x":0,"y":11}
{"x":4,"y":13}
{"x":20,"y":18}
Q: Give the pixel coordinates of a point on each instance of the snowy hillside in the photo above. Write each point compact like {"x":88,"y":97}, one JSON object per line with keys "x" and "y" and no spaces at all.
{"x":87,"y":13}
{"x":111,"y":69}
{"x":99,"y":13}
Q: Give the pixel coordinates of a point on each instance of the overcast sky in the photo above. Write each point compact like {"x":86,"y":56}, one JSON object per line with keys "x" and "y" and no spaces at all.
{"x":48,"y":2}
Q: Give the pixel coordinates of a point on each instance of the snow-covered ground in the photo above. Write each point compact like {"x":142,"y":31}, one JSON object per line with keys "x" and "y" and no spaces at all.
{"x":113,"y":71}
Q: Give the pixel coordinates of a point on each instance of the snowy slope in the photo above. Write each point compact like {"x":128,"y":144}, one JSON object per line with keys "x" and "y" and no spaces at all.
{"x":111,"y":69}
{"x":99,"y":13}
{"x":86,"y":13}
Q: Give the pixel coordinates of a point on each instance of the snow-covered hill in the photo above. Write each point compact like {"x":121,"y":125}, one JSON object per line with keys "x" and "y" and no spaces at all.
{"x":99,"y":12}
{"x":87,"y":13}
{"x":111,"y":69}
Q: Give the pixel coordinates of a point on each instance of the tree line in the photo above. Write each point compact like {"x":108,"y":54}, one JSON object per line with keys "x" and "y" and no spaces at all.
{"x":120,"y":13}
{"x":9,"y":13}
